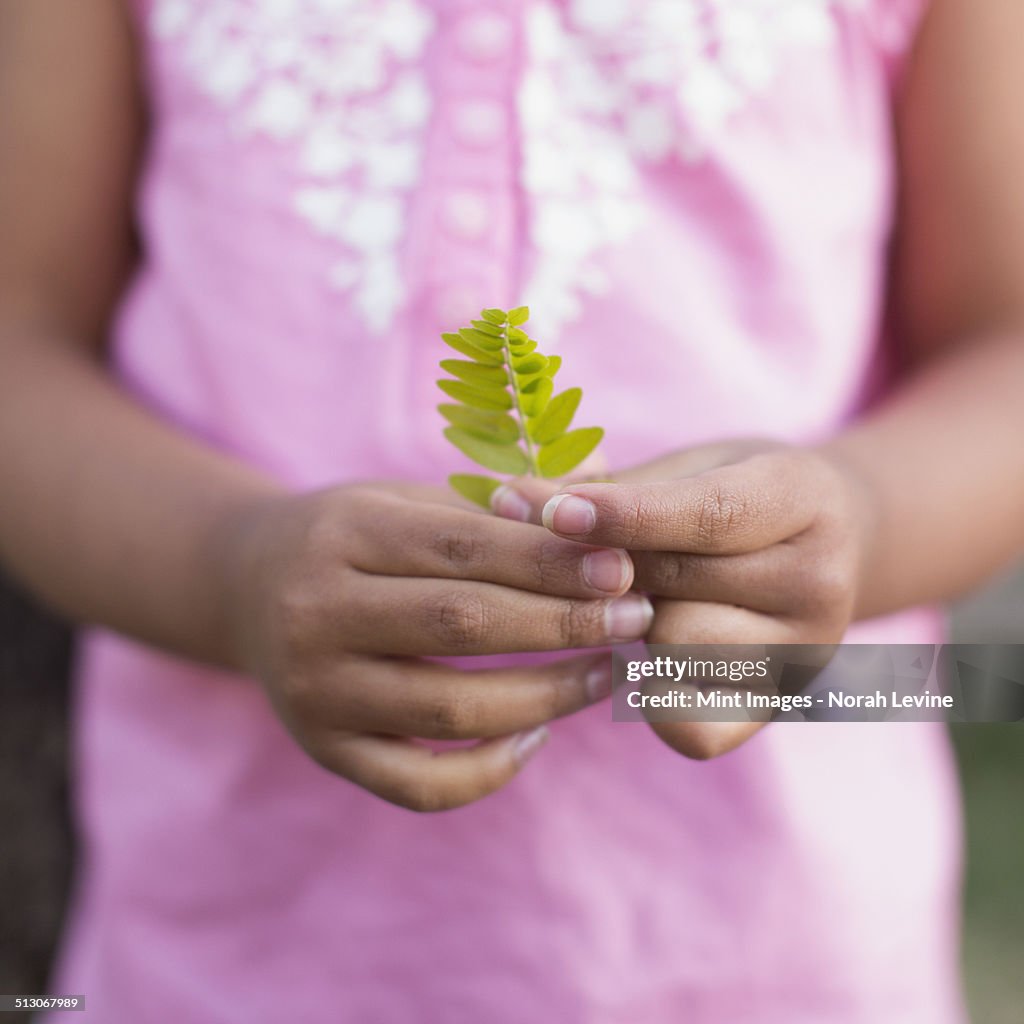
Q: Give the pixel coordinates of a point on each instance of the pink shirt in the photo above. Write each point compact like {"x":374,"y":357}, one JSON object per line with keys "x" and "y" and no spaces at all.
{"x":695,"y":198}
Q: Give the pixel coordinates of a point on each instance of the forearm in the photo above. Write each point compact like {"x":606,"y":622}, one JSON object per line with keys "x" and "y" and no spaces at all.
{"x":108,"y":515}
{"x":942,"y":463}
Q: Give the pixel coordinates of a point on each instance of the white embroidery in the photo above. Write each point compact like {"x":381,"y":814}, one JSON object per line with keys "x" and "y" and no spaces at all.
{"x":612,"y":86}
{"x":608,"y":87}
{"x":342,"y":79}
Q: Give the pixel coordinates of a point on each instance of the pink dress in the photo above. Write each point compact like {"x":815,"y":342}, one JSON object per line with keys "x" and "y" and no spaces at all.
{"x":695,"y":198}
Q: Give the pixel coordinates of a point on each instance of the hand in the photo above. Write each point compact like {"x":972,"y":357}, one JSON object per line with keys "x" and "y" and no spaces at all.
{"x":745,"y":543}
{"x":337,"y":596}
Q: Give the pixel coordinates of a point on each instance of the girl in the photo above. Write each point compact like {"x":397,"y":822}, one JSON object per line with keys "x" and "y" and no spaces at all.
{"x":231,"y":231}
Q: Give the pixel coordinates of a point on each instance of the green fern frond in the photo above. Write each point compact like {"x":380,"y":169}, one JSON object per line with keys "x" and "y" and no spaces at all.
{"x":508,"y":418}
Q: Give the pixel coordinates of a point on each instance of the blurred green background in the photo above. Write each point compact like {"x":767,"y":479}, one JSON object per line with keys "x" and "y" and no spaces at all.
{"x":992,"y":768}
{"x":992,"y":763}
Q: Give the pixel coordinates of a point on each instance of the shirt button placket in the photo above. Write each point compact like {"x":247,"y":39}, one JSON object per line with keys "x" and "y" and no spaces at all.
{"x":473,"y":163}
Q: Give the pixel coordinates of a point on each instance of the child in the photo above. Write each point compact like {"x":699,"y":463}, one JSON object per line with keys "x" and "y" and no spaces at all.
{"x":219,"y":452}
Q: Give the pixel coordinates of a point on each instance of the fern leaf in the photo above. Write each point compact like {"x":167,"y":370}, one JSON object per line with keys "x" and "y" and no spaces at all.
{"x":487,"y":327}
{"x":565,"y":454}
{"x":477,"y":398}
{"x":498,"y":427}
{"x":501,"y":457}
{"x":529,"y":364}
{"x":556,"y":418}
{"x":476,"y":488}
{"x":477,"y":354}
{"x":485,"y":341}
{"x":474,"y":373}
{"x":505,"y":417}
{"x":535,"y":396}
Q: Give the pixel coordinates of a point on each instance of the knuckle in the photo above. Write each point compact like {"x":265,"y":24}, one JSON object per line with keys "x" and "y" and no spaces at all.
{"x":420,"y":795}
{"x":299,"y":695}
{"x":294,"y":613}
{"x":829,"y":583}
{"x":719,"y":513}
{"x":461,"y":621}
{"x":580,"y":623}
{"x":453,"y":717}
{"x":663,"y":573}
{"x":323,"y":530}
{"x":633,"y":518}
{"x":550,"y":566}
{"x":696,"y":741}
{"x":706,"y":745}
{"x":459,"y":549}
{"x":293,"y":607}
{"x":552,"y":698}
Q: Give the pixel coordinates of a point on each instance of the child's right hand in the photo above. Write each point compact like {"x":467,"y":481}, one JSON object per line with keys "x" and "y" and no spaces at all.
{"x":337,"y":597}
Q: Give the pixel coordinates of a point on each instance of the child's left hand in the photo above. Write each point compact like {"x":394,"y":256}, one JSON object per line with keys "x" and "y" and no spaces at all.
{"x":743,"y":542}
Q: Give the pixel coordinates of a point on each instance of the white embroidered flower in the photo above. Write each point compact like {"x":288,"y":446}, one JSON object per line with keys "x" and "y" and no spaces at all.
{"x":337,"y":83}
{"x":612,"y":87}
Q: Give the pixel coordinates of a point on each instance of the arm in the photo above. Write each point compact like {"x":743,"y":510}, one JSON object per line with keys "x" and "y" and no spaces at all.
{"x":330,"y":599}
{"x":106,"y":513}
{"x":944,"y":457}
{"x":754,"y":542}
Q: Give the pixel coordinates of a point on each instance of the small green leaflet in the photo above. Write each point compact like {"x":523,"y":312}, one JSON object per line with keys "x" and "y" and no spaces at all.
{"x":565,"y":454}
{"x":504,"y":415}
{"x":467,"y":348}
{"x":551,"y":424}
{"x":476,"y":488}
{"x":487,"y":342}
{"x":477,"y":398}
{"x":474,"y":373}
{"x":487,"y":328}
{"x":498,"y":427}
{"x":504,"y":458}
{"x":535,"y":397}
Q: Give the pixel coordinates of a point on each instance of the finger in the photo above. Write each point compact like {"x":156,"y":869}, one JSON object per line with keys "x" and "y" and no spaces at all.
{"x":695,"y":460}
{"x":523,"y":499}
{"x":413,"y":776}
{"x":703,"y":741}
{"x":461,"y":545}
{"x":443,"y":617}
{"x":686,"y":622}
{"x":731,"y":510}
{"x":773,"y":580}
{"x":698,"y":622}
{"x":409,"y":697}
{"x":408,"y":490}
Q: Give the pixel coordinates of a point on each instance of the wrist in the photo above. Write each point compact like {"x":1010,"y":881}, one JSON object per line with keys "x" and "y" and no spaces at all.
{"x":862,"y":501}
{"x":241,"y":551}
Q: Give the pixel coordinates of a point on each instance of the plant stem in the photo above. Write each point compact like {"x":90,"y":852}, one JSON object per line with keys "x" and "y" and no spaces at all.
{"x":517,"y":398}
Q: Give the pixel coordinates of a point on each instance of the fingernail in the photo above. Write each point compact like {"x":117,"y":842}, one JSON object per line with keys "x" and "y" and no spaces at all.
{"x":529,"y":743}
{"x":599,"y":681}
{"x":606,"y":570}
{"x":569,"y":513}
{"x":510,"y":504}
{"x":629,"y":617}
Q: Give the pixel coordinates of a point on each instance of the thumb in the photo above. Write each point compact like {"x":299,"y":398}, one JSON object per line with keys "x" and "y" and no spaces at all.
{"x":523,"y":498}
